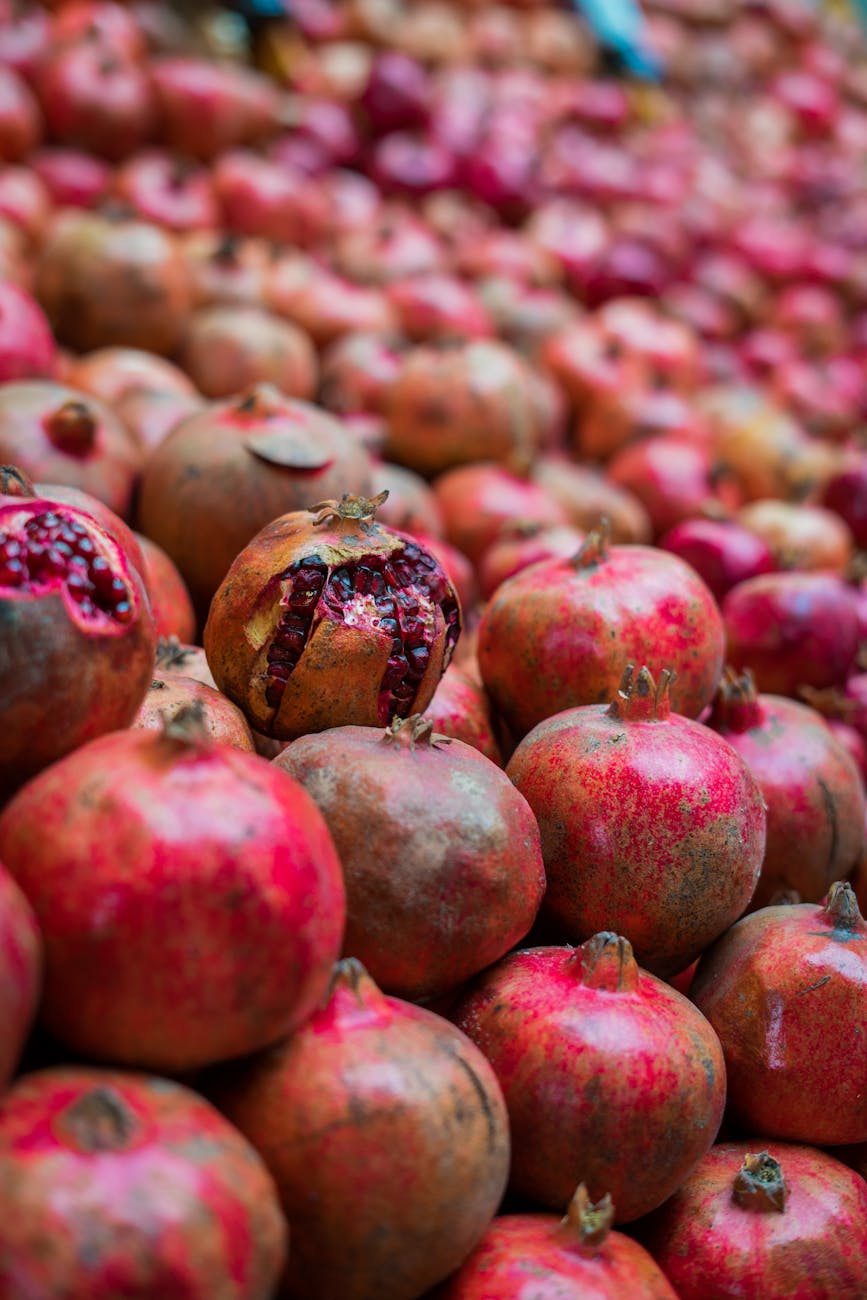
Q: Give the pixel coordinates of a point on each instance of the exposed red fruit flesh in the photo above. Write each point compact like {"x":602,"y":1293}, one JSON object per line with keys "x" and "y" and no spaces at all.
{"x":43,"y":550}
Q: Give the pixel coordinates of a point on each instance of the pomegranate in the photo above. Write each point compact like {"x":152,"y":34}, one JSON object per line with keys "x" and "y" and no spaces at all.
{"x":113,"y":281}
{"x":166,"y":948}
{"x":480,"y":502}
{"x":168,"y":191}
{"x":228,"y":470}
{"x":152,"y":413}
{"x":587,"y":496}
{"x":846,"y":494}
{"x":784,"y":989}
{"x":171,"y":605}
{"x":522,"y":544}
{"x":112,"y":373}
{"x":79,"y":640}
{"x":748,"y":1223}
{"x":722,"y":552}
{"x":577,"y":1254}
{"x":675,"y":477}
{"x":228,"y":348}
{"x":439,"y":306}
{"x":425,"y":1153}
{"x":60,"y":435}
{"x":111,"y":25}
{"x":268,"y":199}
{"x":170,"y":694}
{"x":598,"y":779}
{"x":73,"y":178}
{"x":631,"y":1108}
{"x":95,"y":98}
{"x":207,"y":107}
{"x":358,"y":372}
{"x":176,"y":659}
{"x":25,"y":202}
{"x":26,"y":344}
{"x":177,"y":1203}
{"x":330,"y":619}
{"x":226,"y":268}
{"x":20,"y":973}
{"x":20,"y":118}
{"x":811,"y":786}
{"x":792,"y":630}
{"x":461,"y":709}
{"x":410,"y":506}
{"x":800,"y":536}
{"x":620,"y":604}
{"x":448,"y":875}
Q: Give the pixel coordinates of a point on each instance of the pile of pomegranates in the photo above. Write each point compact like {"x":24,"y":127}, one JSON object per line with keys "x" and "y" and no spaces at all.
{"x":433,"y":653}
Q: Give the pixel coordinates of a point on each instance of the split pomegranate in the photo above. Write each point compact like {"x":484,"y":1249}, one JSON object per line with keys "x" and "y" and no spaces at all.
{"x":610,"y":1076}
{"x":26,"y":344}
{"x":79,"y":639}
{"x":785,"y":990}
{"x":764,"y":1219}
{"x":561,"y":633}
{"x":20,"y":974}
{"x":448,"y":875}
{"x":650,"y":823}
{"x":811,"y":786}
{"x":169,"y":949}
{"x":387,"y":1136}
{"x":329,"y":619}
{"x":577,"y":1255}
{"x":141,"y":1188}
{"x":171,"y":694}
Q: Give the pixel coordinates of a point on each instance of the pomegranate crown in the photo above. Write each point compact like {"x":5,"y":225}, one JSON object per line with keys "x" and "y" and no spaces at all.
{"x":639,"y":698}
{"x":594,"y":548}
{"x":586,"y":1225}
{"x":759,"y":1185}
{"x":349,"y":507}
{"x":417,"y":729}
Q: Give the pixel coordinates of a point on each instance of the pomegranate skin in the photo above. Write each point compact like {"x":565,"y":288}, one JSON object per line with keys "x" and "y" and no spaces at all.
{"x":387,"y":1136}
{"x":610,"y":1076}
{"x":811,"y":786}
{"x":26,"y":345}
{"x":561,"y":633}
{"x":140,"y":1186}
{"x":792,"y":630}
{"x":461,"y":709}
{"x":650,"y":823}
{"x":171,"y":605}
{"x":20,"y":974}
{"x":448,"y":874}
{"x":71,"y":667}
{"x":784,"y":989}
{"x":548,"y":1258}
{"x":738,"y":1236}
{"x":189,"y":896}
{"x":169,"y":693}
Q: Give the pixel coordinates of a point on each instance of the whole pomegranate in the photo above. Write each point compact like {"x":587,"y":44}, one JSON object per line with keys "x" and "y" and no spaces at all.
{"x":846,"y":494}
{"x":650,"y":823}
{"x":228,"y":348}
{"x":522,"y":544}
{"x":20,"y":974}
{"x":231,"y":468}
{"x":785,"y":990}
{"x":480,"y":502}
{"x":26,"y":344}
{"x":171,"y":605}
{"x":722,"y":552}
{"x":329,"y":619}
{"x":577,"y":1255}
{"x":811,"y":786}
{"x":58,"y":434}
{"x":208,"y":106}
{"x":189,"y":896}
{"x":78,"y":641}
{"x":587,"y":496}
{"x":170,"y":694}
{"x":387,"y":1136}
{"x":610,"y":1076}
{"x":411,"y":505}
{"x":73,"y":178}
{"x":448,"y":875}
{"x":141,"y":1188}
{"x":151,"y":414}
{"x":806,"y":537}
{"x":112,"y":373}
{"x":95,"y":98}
{"x":172,"y":192}
{"x":764,"y":1219}
{"x":561,"y":633}
{"x":177,"y":660}
{"x":461,"y":709}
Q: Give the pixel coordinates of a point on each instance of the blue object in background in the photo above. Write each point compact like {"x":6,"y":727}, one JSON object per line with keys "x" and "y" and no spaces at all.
{"x":619,"y":27}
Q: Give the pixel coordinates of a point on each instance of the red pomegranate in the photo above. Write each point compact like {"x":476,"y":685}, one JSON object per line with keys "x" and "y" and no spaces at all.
{"x":176,"y":659}
{"x":113,"y":281}
{"x":764,"y":1219}
{"x":386,"y":1134}
{"x":437,"y":306}
{"x":60,"y":435}
{"x":230,"y":469}
{"x":587,"y":496}
{"x":846,"y":494}
{"x":73,"y":178}
{"x":811,"y":786}
{"x":79,"y":640}
{"x":228,"y":348}
{"x":152,"y":413}
{"x":20,"y":118}
{"x":722,"y":552}
{"x":675,"y":477}
{"x":26,"y":343}
{"x":171,"y":605}
{"x":170,"y":694}
{"x":792,"y":630}
{"x":358,"y":372}
{"x":330,"y":619}
{"x":169,"y":191}
{"x":800,"y":536}
{"x":207,"y":106}
{"x":25,"y":202}
{"x":575,"y":1255}
{"x":20,"y":974}
{"x":112,"y":373}
{"x":522,"y":544}
{"x":481,"y":502}
{"x":621,"y":604}
{"x":630,"y":1108}
{"x":268,"y":199}
{"x":191,"y":905}
{"x":95,"y":98}
{"x":461,"y":709}
{"x":324,"y":305}
{"x":25,"y":35}
{"x":448,"y":875}
{"x":226,"y":268}
{"x":178,"y":1204}
{"x":785,"y":990}
{"x":650,"y":823}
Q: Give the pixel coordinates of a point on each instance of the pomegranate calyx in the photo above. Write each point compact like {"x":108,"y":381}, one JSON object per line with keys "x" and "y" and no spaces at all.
{"x":594,"y":548}
{"x":170,"y":653}
{"x":417,"y":730}
{"x":737,"y":706}
{"x":759,"y":1185}
{"x":349,"y":507}
{"x":606,"y":961}
{"x":841,"y":908}
{"x":352,"y":991}
{"x":15,"y":483}
{"x":641,"y":699}
{"x":72,"y":428}
{"x":586,"y":1225}
{"x":187,"y":726}
{"x":828,"y":700}
{"x":98,"y":1121}
{"x":856,"y":569}
{"x":521,"y":528}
